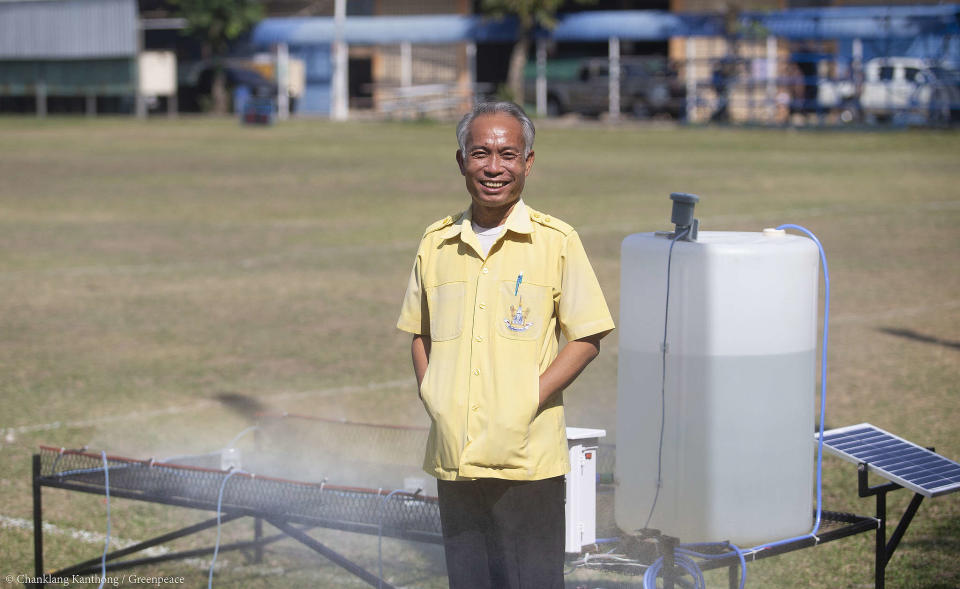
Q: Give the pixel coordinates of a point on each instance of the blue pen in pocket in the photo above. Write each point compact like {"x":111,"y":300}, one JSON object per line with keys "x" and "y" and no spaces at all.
{"x":516,"y":289}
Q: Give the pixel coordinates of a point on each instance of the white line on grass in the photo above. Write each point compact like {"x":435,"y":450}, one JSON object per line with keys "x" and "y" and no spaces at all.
{"x":85,"y":536}
{"x":325,"y":252}
{"x":204,"y":404}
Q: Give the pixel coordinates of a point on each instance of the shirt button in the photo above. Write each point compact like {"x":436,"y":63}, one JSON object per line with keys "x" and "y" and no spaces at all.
{"x":476,"y":372}
{"x":485,"y":270}
{"x":476,"y":407}
{"x":482,"y":306}
{"x":478,"y":338}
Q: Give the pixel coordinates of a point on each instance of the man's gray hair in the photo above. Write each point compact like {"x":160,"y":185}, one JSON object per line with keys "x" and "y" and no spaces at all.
{"x":490,"y":108}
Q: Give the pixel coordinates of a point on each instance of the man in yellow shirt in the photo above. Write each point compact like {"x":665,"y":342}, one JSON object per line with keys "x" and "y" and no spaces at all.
{"x":491,"y":291}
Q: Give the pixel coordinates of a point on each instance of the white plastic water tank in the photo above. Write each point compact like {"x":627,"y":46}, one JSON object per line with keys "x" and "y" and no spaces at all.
{"x":738,"y":454}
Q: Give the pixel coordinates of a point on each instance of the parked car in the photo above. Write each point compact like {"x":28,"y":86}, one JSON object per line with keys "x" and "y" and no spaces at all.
{"x":649,"y":86}
{"x":893,"y":85}
{"x":907,"y":88}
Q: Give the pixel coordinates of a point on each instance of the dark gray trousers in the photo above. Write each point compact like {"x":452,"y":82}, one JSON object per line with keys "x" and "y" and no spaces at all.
{"x":500,"y":534}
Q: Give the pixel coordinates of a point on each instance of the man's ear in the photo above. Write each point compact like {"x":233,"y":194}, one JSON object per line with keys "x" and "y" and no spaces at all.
{"x":529,"y":163}
{"x":460,"y":163}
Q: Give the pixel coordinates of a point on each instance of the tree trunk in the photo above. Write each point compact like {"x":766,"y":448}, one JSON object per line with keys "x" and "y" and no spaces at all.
{"x":518,"y":62}
{"x":218,"y":92}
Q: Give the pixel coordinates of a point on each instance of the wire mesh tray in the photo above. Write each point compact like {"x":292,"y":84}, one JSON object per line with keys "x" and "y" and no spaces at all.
{"x":322,"y":503}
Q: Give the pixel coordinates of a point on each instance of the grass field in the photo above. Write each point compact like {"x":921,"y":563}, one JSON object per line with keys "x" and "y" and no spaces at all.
{"x":151,"y":272}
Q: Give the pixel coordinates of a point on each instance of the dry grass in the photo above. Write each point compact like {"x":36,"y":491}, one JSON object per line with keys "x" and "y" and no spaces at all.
{"x":153,"y":265}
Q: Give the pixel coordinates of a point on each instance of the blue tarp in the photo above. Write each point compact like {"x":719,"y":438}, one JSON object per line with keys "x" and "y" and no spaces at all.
{"x":371,"y":30}
{"x":856,"y":22}
{"x":851,"y":22}
{"x":633,"y":25}
{"x":636,"y":25}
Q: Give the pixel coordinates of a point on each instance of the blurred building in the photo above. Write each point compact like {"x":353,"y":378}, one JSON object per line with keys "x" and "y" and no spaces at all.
{"x":740,"y":60}
{"x":400,"y":52}
{"x":774,"y":57}
{"x":68,"y":56}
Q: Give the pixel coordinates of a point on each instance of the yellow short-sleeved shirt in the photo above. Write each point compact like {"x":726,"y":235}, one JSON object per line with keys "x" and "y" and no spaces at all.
{"x":492,"y":340}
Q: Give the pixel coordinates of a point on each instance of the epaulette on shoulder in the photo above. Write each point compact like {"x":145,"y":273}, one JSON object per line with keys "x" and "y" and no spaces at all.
{"x":550,"y":221}
{"x":444,"y":222}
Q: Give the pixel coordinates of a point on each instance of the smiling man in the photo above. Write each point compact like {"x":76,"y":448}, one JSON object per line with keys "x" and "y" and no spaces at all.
{"x":491,"y":291}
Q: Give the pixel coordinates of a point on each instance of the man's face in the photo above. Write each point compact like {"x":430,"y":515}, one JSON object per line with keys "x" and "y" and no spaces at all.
{"x":493,"y":166}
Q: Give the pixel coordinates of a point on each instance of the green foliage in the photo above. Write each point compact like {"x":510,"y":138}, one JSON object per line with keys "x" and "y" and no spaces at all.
{"x":529,"y":12}
{"x":504,"y":93}
{"x":217,"y":22}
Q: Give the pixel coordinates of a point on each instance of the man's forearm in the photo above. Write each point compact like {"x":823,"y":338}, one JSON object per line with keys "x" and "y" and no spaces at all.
{"x":420,"y":351}
{"x":568,"y":364}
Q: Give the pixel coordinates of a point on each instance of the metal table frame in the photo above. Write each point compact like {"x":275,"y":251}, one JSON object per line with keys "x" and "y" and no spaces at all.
{"x":851,"y":526}
{"x":292,"y":526}
{"x":296,"y":527}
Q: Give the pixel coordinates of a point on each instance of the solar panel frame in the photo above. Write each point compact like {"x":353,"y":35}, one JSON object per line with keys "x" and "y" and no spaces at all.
{"x":894,"y":458}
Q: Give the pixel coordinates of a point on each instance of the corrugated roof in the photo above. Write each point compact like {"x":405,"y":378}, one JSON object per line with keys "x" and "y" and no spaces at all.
{"x":68,"y":29}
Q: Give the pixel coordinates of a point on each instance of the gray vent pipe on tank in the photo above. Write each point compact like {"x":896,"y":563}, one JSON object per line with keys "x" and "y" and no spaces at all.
{"x":682,"y":215}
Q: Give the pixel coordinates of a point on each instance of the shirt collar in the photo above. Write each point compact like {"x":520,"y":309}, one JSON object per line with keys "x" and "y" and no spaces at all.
{"x":518,"y":221}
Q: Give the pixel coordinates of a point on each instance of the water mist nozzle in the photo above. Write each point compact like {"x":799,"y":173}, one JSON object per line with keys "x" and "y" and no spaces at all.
{"x":682,"y":215}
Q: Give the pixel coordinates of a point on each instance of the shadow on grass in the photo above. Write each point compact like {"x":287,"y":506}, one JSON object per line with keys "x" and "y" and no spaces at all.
{"x":919,"y":337}
{"x":244,"y":406}
{"x":944,"y":537}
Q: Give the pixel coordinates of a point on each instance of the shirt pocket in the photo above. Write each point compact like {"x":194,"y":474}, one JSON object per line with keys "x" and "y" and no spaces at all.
{"x":445,"y":304}
{"x":523,"y":312}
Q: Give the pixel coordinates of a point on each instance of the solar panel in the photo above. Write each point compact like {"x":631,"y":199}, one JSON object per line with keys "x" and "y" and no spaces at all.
{"x":894,"y":458}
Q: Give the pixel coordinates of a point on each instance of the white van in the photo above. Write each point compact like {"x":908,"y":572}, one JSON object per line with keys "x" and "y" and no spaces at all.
{"x":909,"y":86}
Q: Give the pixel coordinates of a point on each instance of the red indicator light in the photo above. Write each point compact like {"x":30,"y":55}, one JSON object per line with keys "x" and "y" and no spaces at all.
{"x":589,"y":455}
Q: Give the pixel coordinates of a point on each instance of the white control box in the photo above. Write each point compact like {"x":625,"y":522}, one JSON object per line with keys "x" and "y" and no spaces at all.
{"x":581,"y":507}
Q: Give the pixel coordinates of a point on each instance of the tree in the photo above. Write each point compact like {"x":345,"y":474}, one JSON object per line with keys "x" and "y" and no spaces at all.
{"x":216,"y":23}
{"x":530,"y":14}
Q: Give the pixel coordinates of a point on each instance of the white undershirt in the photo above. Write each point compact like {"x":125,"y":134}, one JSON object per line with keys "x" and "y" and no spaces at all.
{"x":487,"y":236}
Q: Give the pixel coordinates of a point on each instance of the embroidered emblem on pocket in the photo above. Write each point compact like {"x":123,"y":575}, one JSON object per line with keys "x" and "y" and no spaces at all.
{"x":518,"y":318}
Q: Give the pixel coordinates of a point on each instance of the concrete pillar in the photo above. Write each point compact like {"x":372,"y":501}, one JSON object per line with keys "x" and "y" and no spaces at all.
{"x":541,"y":77}
{"x":691,"y":77}
{"x":283,"y":82}
{"x":406,"y":64}
{"x":771,"y":79}
{"x":614,"y":89}
{"x":340,"y":99}
{"x":472,"y":69}
{"x":41,"y":94}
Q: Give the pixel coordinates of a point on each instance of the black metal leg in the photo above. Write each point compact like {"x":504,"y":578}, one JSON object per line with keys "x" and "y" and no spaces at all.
{"x":734,"y":574}
{"x":257,"y":535}
{"x":86,"y":565}
{"x":37,"y":521}
{"x":333,"y":556}
{"x":669,"y":546}
{"x":129,"y":564}
{"x":880,"y":548}
{"x":903,"y":524}
{"x":258,"y":522}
